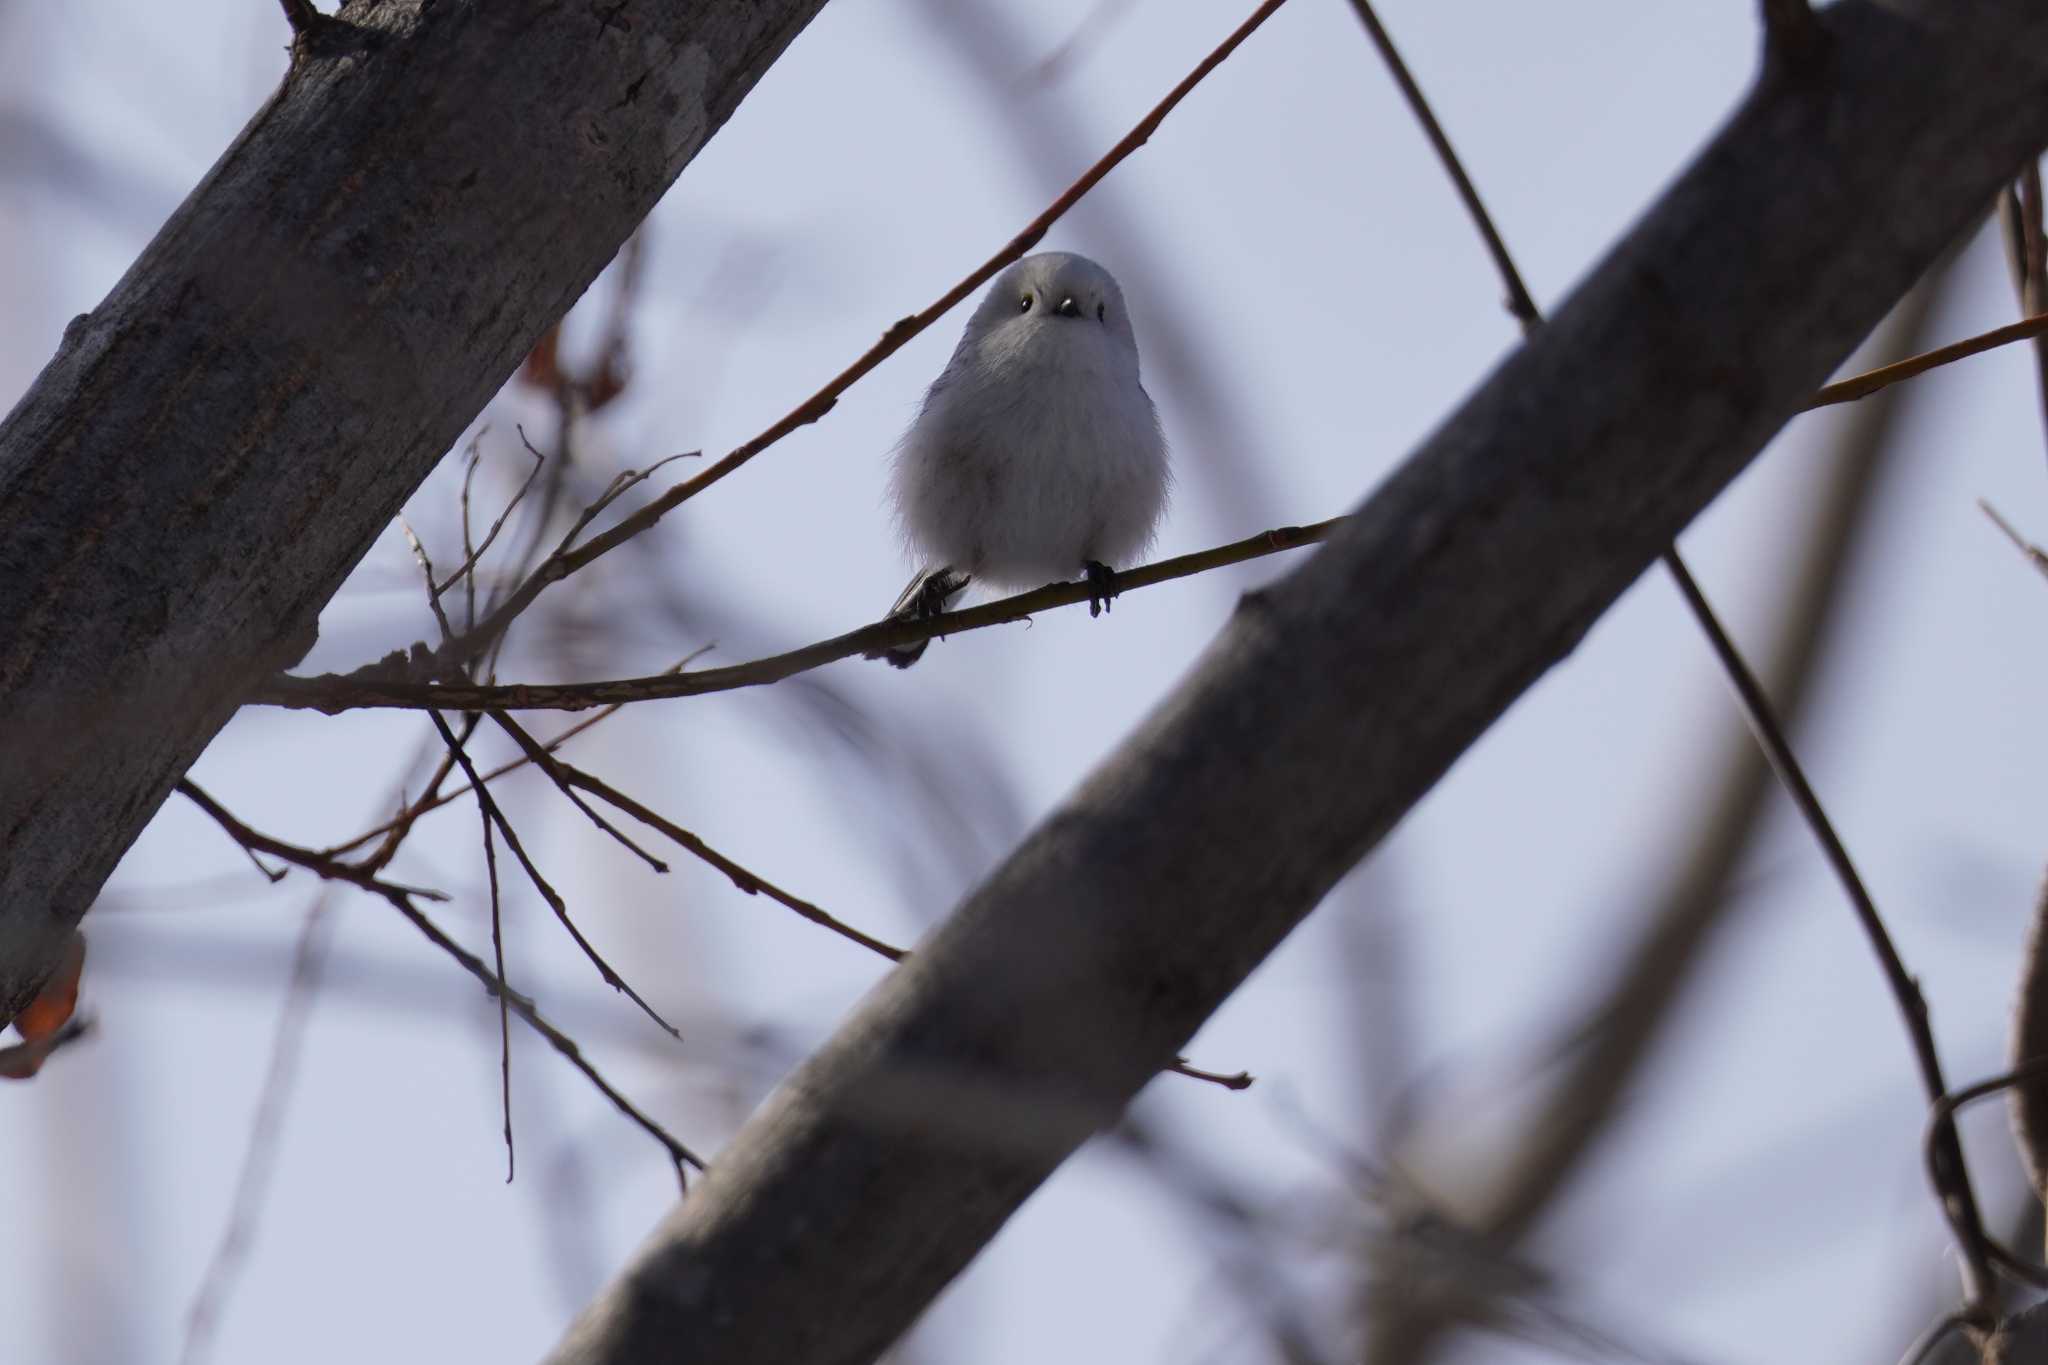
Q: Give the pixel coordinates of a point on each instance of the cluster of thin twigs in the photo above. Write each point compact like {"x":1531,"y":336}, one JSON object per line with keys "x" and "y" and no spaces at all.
{"x":464,"y":658}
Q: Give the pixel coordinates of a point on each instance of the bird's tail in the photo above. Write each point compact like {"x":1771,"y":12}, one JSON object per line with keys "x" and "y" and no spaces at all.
{"x":928,"y":594}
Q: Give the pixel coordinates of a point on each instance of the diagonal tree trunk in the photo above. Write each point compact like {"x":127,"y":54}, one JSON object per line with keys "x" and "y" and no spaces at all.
{"x":1337,"y":697}
{"x":217,"y":444}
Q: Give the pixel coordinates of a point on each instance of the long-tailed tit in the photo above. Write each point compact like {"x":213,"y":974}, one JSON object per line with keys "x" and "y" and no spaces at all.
{"x":1037,"y":455}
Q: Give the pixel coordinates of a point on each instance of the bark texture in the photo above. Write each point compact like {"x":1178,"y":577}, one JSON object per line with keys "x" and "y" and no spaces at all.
{"x":2028,"y":1102}
{"x":1334,"y":699}
{"x":216,"y":445}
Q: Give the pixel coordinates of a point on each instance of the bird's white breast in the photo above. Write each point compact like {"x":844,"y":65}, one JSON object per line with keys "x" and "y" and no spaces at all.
{"x":1037,"y":451}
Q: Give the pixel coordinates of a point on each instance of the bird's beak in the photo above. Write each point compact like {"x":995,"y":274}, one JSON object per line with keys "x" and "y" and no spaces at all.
{"x":1069,"y":307}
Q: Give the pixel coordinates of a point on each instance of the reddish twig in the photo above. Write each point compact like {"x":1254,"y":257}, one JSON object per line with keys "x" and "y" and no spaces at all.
{"x":1518,"y":301}
{"x":556,"y":774}
{"x":394,"y":832}
{"x":1235,"y":1080}
{"x":1869,"y":382}
{"x":739,"y":876}
{"x":330,"y":869}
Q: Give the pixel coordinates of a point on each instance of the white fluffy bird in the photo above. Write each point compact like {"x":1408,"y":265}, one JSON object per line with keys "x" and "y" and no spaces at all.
{"x":1037,"y":455}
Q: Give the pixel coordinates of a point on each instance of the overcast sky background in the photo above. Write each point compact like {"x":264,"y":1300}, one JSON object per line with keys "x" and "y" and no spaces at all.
{"x":1310,"y":302}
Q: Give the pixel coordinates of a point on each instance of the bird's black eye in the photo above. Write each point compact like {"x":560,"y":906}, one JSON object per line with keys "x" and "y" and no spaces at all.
{"x":1099,"y":310}
{"x":1024,"y":304}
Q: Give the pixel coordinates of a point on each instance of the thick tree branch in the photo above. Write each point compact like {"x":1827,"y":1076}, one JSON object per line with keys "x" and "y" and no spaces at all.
{"x":1336,"y":698}
{"x":1792,"y":33}
{"x":214,"y":447}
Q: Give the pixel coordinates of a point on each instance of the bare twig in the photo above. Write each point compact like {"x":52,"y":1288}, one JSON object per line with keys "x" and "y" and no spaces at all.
{"x":739,"y":876}
{"x":471,"y":556}
{"x":333,"y":693}
{"x":540,"y":883}
{"x":1232,"y":1080}
{"x":331,"y":869}
{"x":504,"y":1020}
{"x":395,"y":831}
{"x":560,"y":1041}
{"x":1941,"y":1128}
{"x":567,"y":561}
{"x":419,"y":554}
{"x":1518,"y":301}
{"x":2035,"y":555}
{"x":567,"y":777}
{"x":2033,"y":327}
{"x":547,"y":764}
{"x":469,"y":551}
{"x":620,"y":483}
{"x":252,"y":1183}
{"x":1951,"y":1175}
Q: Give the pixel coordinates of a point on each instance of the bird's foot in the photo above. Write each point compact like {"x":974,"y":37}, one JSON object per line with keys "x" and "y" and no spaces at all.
{"x":924,"y":600}
{"x":1102,"y":587}
{"x":938,"y":588}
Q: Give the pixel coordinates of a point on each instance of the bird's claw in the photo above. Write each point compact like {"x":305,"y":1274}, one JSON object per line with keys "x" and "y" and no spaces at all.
{"x":1102,"y":587}
{"x":932,"y":595}
{"x":924,"y":600}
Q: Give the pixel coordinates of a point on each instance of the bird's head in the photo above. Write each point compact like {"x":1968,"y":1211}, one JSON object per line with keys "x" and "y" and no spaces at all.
{"x":1057,"y":298}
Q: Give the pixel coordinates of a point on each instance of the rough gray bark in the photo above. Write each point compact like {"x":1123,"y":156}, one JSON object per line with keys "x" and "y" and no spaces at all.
{"x":217,"y":444}
{"x":2028,"y":1102}
{"x":1335,"y":699}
